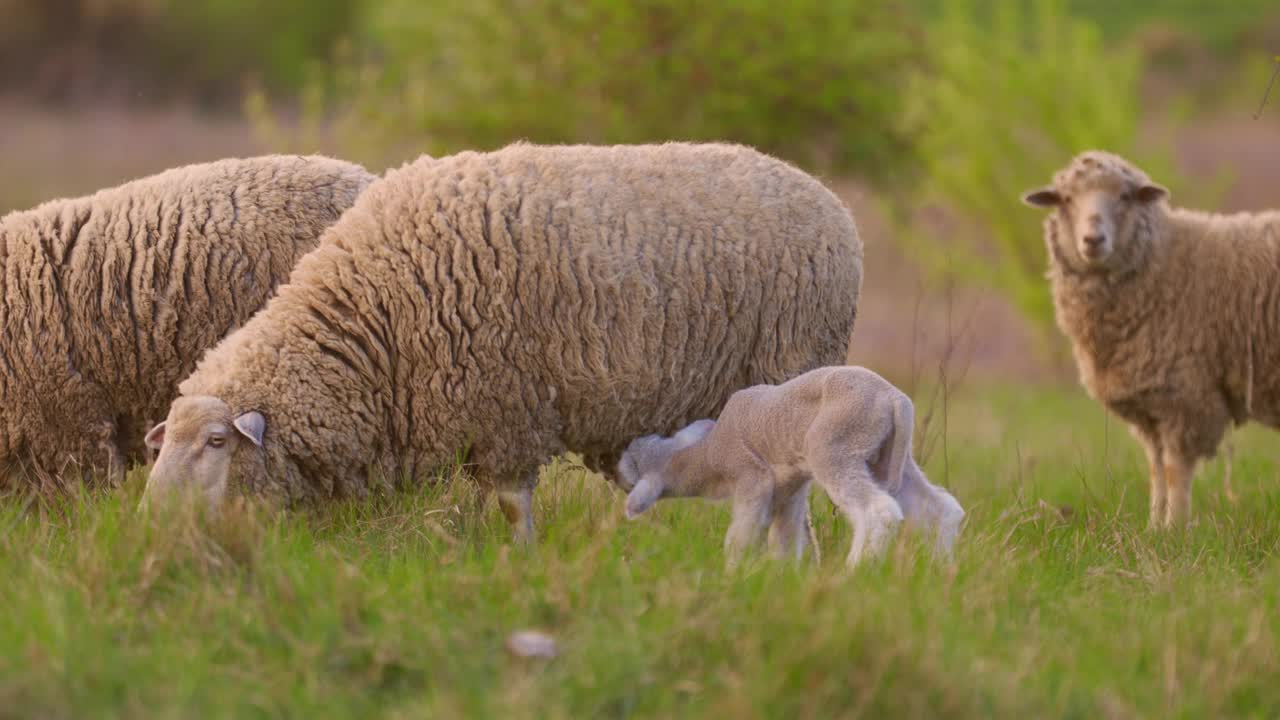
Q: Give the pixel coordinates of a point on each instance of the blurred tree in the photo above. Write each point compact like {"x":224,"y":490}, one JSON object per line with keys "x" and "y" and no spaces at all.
{"x":816,"y":81}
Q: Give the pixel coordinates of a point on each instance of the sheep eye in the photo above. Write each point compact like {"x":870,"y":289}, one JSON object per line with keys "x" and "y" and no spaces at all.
{"x":217,"y":441}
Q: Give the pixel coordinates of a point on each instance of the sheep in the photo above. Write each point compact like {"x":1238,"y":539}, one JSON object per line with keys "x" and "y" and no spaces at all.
{"x":846,"y":428}
{"x":107,"y":301}
{"x":518,"y":304}
{"x":1171,"y":314}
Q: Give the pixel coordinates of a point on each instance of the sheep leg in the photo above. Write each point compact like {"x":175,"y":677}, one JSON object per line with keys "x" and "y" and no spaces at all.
{"x":790,"y":531}
{"x":927,"y":506}
{"x":874,"y":514}
{"x":1229,"y":459}
{"x":1177,"y":473}
{"x":603,"y":464}
{"x":1155,"y":471}
{"x":115,"y":469}
{"x":517,"y":507}
{"x":752,"y":513}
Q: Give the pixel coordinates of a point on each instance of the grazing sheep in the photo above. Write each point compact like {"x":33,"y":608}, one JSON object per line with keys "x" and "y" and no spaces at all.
{"x":1172,"y":314}
{"x":845,"y":427}
{"x":107,"y":301}
{"x":519,"y":303}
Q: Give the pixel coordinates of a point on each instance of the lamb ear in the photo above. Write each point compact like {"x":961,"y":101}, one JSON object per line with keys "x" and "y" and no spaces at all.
{"x":252,"y":425}
{"x":643,"y":495}
{"x":1044,"y":197}
{"x":155,"y":438}
{"x":1150,"y":193}
{"x":694,"y":432}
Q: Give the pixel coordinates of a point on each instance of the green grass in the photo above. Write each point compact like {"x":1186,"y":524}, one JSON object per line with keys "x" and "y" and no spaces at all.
{"x":1059,"y":604}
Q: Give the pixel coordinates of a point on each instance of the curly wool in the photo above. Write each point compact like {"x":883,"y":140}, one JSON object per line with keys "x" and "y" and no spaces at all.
{"x":534,"y":300}
{"x":1183,"y":337}
{"x":107,"y":301}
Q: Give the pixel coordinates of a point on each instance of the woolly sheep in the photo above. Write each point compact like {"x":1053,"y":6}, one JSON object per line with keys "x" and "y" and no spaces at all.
{"x":846,"y":428}
{"x":1170,"y":312}
{"x":107,"y":301}
{"x":520,"y":303}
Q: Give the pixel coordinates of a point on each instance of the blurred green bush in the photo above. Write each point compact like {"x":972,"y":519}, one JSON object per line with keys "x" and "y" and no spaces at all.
{"x":277,"y":40}
{"x":816,"y":81}
{"x":208,"y":49}
{"x":1010,"y":93}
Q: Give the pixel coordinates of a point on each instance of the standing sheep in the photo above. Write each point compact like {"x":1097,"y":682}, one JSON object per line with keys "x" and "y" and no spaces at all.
{"x":519,"y":303}
{"x":1172,"y":314}
{"x":107,"y":301}
{"x":845,"y":427}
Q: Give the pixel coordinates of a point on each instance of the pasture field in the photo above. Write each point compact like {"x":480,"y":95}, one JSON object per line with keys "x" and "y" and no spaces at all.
{"x":1059,"y":603}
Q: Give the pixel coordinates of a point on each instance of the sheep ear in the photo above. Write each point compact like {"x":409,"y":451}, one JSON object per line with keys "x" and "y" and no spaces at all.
{"x":1150,"y":194}
{"x":252,"y":425}
{"x":643,"y":495}
{"x":155,"y":438}
{"x":1044,"y":197}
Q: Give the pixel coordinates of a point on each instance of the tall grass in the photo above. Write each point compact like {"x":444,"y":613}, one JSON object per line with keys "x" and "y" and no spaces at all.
{"x":1058,"y":604}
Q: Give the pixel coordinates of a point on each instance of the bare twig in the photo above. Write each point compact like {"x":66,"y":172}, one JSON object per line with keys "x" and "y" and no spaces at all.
{"x":915,"y":340}
{"x":1267,"y":94}
{"x":947,"y":380}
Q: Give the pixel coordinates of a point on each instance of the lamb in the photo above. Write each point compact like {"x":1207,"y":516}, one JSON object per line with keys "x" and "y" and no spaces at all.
{"x":845,"y":427}
{"x":107,"y":301}
{"x":1171,"y":314}
{"x":518,"y":304}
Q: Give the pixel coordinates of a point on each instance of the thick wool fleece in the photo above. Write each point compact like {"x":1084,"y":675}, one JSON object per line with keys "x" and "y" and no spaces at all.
{"x":107,"y":301}
{"x":1181,"y":336}
{"x":534,"y":300}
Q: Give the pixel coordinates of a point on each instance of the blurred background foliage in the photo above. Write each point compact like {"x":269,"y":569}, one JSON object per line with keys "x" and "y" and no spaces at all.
{"x":1058,"y":89}
{"x":819,"y":82}
{"x":950,"y":108}
{"x":161,"y":50}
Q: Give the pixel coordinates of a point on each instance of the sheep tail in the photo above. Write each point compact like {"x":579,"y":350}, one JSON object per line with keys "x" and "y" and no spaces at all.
{"x":904,"y":418}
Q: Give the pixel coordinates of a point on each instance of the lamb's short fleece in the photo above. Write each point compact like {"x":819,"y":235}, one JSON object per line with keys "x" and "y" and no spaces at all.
{"x":846,"y":428}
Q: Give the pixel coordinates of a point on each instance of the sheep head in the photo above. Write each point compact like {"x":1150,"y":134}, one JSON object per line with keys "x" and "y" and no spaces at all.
{"x":198,"y":444}
{"x":1102,"y":207}
{"x":645,"y":467}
